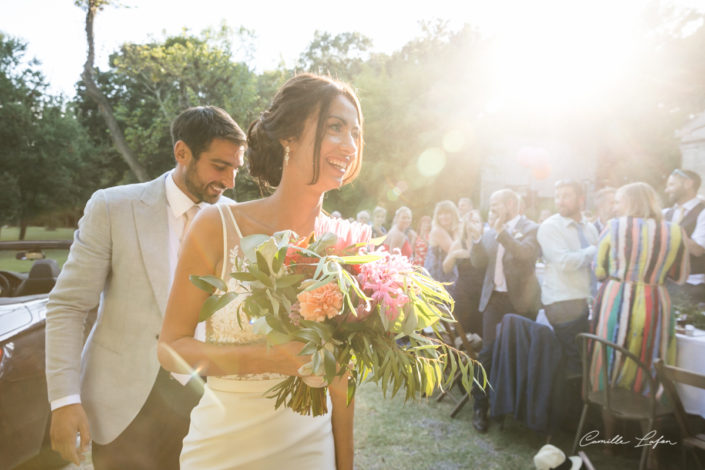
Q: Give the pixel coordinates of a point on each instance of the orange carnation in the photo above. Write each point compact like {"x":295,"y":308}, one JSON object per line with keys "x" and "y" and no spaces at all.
{"x":321,"y":303}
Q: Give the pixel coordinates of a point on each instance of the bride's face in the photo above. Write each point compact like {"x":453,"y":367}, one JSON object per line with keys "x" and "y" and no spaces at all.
{"x":339,"y":145}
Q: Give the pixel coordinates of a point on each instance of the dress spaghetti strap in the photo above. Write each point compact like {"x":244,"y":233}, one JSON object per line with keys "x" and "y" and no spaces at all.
{"x":225,"y":241}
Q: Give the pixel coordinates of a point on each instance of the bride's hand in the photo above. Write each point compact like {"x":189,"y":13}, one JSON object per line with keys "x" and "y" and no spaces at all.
{"x":290,"y":359}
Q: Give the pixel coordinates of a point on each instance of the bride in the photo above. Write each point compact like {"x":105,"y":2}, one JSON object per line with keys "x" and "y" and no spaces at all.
{"x":308,"y":142}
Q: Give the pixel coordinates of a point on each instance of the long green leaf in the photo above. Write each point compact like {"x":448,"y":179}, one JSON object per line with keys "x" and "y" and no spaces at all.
{"x":208,"y":283}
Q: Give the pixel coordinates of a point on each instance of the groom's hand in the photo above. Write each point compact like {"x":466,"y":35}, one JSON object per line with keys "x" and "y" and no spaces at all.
{"x":66,"y":422}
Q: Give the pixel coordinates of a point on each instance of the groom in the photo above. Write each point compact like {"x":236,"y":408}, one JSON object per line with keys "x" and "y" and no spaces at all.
{"x":112,"y":390}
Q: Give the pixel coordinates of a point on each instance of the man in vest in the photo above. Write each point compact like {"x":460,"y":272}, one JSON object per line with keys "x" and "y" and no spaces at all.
{"x":688,"y":211}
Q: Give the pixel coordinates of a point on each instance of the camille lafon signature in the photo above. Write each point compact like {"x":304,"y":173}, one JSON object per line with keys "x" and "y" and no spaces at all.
{"x":650,"y":439}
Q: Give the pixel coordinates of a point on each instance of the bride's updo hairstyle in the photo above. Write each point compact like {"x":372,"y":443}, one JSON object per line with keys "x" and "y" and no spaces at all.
{"x":299,"y":98}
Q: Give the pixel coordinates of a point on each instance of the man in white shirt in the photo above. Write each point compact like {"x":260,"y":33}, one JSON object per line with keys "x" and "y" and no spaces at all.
{"x":568,"y":247}
{"x":688,"y":211}
{"x":112,"y":391}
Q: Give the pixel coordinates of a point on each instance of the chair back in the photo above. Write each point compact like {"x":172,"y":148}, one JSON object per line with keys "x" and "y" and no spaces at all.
{"x":671,"y":375}
{"x":613,"y":359}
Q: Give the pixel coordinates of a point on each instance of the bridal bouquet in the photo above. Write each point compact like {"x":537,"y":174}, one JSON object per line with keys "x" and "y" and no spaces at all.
{"x":359,"y":311}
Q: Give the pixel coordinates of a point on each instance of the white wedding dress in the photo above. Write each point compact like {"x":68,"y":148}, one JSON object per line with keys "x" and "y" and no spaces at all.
{"x":234,"y":426}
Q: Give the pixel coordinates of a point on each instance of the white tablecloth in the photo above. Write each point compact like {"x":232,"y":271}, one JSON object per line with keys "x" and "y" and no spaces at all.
{"x":691,"y":356}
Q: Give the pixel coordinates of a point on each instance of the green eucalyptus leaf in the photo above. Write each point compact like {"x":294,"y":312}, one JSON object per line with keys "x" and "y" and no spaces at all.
{"x":208,"y":283}
{"x":279,"y":258}
{"x":329,"y":364}
{"x":208,"y":308}
{"x":262,"y":263}
{"x":289,"y":280}
{"x":243,"y":276}
{"x":249,"y":244}
{"x":352,"y":386}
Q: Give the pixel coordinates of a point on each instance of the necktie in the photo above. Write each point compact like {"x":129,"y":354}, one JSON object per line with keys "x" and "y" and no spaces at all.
{"x":188,"y":218}
{"x":584,"y":244}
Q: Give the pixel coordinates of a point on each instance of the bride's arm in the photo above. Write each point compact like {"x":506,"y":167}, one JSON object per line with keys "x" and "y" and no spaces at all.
{"x":342,"y":421}
{"x":178,"y":351}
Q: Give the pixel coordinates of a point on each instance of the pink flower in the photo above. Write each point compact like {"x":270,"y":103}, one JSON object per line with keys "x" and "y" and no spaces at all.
{"x":321,"y":303}
{"x":348,"y":233}
{"x":383,"y":280}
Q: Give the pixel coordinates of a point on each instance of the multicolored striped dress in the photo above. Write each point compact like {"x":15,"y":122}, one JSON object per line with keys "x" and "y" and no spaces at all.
{"x":633,"y":308}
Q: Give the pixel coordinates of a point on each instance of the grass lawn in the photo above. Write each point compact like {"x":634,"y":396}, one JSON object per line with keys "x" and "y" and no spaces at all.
{"x":8,"y":262}
{"x":391,"y":434}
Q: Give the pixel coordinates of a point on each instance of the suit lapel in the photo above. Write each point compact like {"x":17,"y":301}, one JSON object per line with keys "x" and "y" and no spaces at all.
{"x":153,"y":234}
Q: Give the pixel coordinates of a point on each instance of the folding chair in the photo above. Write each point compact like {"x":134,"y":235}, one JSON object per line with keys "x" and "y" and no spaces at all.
{"x":458,"y":338}
{"x":670,"y":375}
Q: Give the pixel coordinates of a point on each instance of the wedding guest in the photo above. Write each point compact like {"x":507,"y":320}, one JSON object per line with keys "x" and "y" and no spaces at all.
{"x":464,"y":206}
{"x":444,"y":228}
{"x":397,"y":238}
{"x":568,"y":247}
{"x":467,"y":287}
{"x":633,"y":307}
{"x":604,"y":207}
{"x":379,"y":218}
{"x":688,"y":211}
{"x":421,"y":242}
{"x":363,"y":217}
{"x":235,"y":425}
{"x":507,"y":253}
{"x":112,"y":390}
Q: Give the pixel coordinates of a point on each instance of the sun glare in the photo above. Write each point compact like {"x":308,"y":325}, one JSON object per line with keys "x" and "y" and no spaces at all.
{"x":555,"y":54}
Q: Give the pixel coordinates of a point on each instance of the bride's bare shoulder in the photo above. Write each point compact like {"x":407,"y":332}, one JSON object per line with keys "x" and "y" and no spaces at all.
{"x":249,"y":214}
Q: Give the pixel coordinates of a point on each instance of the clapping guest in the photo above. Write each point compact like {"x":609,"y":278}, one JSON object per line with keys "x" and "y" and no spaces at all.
{"x":467,"y":287}
{"x":507,"y":253}
{"x":397,"y":238}
{"x":444,"y":229}
{"x":568,"y":247}
{"x":633,"y":307}
{"x":464,"y":206}
{"x":363,"y":217}
{"x":379,"y":217}
{"x":420,"y":245}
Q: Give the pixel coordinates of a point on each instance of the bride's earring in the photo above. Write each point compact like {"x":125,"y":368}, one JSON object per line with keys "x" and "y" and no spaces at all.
{"x":286,"y":155}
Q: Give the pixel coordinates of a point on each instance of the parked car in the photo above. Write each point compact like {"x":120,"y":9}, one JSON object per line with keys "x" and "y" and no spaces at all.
{"x":24,"y":407}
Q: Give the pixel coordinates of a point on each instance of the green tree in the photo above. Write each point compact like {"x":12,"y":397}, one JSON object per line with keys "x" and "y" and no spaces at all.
{"x":147,"y":85}
{"x":340,"y":56}
{"x":43,"y":145}
{"x":92,"y":7}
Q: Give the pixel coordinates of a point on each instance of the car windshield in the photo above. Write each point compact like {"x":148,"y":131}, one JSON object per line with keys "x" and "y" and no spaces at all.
{"x":41,"y":243}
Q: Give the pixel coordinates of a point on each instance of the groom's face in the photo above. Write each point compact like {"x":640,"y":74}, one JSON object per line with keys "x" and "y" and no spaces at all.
{"x":214,"y":171}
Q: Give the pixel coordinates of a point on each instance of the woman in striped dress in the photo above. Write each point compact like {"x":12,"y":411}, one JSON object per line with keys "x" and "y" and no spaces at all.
{"x":636,"y":252}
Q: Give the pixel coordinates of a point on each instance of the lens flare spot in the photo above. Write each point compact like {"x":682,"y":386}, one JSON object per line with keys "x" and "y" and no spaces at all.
{"x":431,"y":161}
{"x":453,"y":141}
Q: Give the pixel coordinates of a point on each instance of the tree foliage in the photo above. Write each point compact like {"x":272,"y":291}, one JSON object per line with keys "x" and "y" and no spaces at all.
{"x":43,"y":148}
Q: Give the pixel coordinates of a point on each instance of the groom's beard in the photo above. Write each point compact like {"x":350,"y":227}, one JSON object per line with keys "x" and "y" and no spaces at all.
{"x":208,"y":192}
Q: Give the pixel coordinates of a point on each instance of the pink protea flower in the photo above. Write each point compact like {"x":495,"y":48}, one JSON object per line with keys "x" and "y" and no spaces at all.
{"x":321,"y":303}
{"x":348,"y":233}
{"x":383,"y":281}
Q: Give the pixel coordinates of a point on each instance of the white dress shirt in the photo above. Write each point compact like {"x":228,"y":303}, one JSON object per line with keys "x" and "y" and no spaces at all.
{"x":500,"y":280}
{"x":177,"y":205}
{"x":698,"y":235}
{"x":568,"y":265}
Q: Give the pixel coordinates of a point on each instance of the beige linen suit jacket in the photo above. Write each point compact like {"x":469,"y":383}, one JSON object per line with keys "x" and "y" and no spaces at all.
{"x":119,"y":262}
